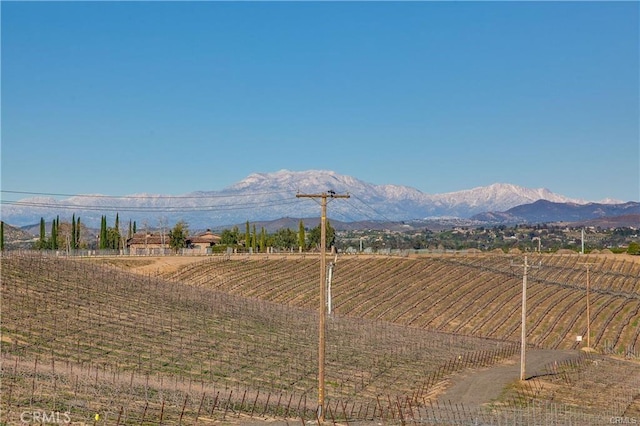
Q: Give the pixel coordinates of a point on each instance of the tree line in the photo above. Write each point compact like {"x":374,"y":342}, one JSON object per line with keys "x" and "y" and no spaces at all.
{"x":283,"y":238}
{"x":69,"y":236}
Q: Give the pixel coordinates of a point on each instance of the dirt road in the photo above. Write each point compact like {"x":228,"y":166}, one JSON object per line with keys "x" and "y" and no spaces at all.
{"x":476,"y":387}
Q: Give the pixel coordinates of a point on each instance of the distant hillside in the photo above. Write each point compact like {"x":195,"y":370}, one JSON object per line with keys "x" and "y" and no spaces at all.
{"x":543,"y":211}
{"x":624,"y":221}
{"x":17,"y":238}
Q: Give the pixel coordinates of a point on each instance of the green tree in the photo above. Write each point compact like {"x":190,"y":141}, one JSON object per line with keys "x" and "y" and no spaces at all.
{"x":302,"y":242}
{"x":178,"y":236}
{"x":115,"y":238}
{"x":53,"y":238}
{"x":1,"y":235}
{"x":315,"y":234}
{"x":284,"y":238}
{"x":42,"y":243}
{"x":634,"y":248}
{"x":263,"y":240}
{"x":104,"y":241}
{"x":254,"y":238}
{"x":229,"y":237}
{"x":247,"y":235}
{"x":73,"y":232}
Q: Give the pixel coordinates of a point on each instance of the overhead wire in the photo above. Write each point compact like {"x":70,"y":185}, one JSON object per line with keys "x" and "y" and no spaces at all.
{"x":376,"y":215}
{"x":135,"y":197}
{"x":154,"y":209}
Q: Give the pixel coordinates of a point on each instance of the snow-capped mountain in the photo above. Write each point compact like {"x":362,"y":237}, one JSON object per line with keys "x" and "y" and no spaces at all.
{"x":267,"y":196}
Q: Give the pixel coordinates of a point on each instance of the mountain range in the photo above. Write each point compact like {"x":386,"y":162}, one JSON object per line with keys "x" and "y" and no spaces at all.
{"x":269,"y":196}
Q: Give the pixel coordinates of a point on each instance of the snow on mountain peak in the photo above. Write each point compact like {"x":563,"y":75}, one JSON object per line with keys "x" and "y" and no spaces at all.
{"x":265,"y":196}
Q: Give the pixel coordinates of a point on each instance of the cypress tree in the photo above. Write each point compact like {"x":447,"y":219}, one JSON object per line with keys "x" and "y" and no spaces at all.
{"x":134,"y":227}
{"x":263,"y":240}
{"x":73,"y":232}
{"x":53,"y":239}
{"x":1,"y":235}
{"x":43,"y":235}
{"x":105,"y":245}
{"x":57,"y":246}
{"x":78,"y":232}
{"x":301,"y":236}
{"x":116,"y":242}
{"x":247,"y":235}
{"x":103,"y":232}
{"x":254,"y":238}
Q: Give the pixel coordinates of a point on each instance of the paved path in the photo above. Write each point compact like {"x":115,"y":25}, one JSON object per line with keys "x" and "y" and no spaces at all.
{"x":473,"y":388}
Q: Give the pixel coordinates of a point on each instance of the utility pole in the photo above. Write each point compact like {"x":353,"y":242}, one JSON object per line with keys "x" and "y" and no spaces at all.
{"x":323,"y":292}
{"x":523,"y":327}
{"x":588,"y":308}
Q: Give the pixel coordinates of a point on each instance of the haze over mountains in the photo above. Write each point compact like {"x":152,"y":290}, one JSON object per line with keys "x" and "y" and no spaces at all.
{"x":269,"y":196}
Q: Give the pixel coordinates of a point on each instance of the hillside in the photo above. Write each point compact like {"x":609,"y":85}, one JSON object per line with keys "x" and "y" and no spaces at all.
{"x":471,"y":295}
{"x":545,"y":211}
{"x":86,"y":338}
{"x":235,"y":341}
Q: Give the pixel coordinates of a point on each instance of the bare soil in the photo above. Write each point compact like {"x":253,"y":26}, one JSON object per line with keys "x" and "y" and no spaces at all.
{"x":473,"y":388}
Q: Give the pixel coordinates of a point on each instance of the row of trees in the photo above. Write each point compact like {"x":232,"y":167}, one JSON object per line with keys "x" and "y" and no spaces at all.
{"x":110,"y":238}
{"x":62,"y":236}
{"x":67,"y":235}
{"x":283,"y":238}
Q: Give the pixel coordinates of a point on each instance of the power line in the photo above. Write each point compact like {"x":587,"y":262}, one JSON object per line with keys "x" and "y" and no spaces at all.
{"x":141,"y":197}
{"x":156,"y":209}
{"x":376,"y":215}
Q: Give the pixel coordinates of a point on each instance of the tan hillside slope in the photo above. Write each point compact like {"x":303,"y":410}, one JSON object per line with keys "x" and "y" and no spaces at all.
{"x":472,"y":295}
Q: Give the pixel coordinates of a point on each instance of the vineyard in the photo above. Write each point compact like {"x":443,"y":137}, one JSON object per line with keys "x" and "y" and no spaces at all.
{"x":236,"y":340}
{"x":465,"y":295}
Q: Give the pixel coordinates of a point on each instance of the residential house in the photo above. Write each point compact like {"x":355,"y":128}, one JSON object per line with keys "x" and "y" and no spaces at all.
{"x":148,"y":244}
{"x":203,"y":242}
{"x":155,"y":244}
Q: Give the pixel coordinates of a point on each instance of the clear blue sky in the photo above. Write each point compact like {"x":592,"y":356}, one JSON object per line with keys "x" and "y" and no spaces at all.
{"x":172,"y":97}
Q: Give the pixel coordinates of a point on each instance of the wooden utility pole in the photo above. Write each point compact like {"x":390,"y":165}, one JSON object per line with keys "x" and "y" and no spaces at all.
{"x":588,"y":308}
{"x":523,"y":327}
{"x":323,"y":292}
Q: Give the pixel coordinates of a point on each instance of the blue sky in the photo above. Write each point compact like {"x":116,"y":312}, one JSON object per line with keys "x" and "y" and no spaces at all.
{"x":172,"y":97}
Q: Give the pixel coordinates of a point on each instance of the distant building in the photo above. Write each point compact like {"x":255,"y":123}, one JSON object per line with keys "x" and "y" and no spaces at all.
{"x":155,"y":244}
{"x":148,"y":244}
{"x":203,"y":242}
